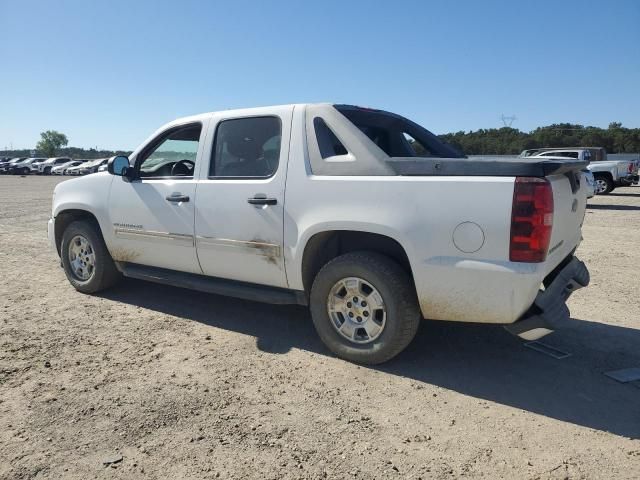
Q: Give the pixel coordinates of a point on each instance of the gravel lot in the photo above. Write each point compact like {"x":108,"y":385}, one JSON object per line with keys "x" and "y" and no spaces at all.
{"x":169,"y":383}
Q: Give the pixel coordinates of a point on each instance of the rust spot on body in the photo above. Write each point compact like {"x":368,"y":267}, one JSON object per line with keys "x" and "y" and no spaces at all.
{"x":268,"y":251}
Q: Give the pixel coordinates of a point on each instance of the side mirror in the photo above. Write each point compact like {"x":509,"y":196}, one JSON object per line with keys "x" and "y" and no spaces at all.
{"x":119,"y":166}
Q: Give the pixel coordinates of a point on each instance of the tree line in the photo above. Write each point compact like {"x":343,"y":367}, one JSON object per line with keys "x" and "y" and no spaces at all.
{"x":54,"y":144}
{"x":491,"y":141}
{"x":511,"y":141}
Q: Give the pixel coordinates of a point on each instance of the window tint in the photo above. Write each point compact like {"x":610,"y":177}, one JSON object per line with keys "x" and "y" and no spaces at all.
{"x":173,"y":155}
{"x":246,"y":147}
{"x":392,"y":133}
{"x":328,"y":143}
{"x":418,"y":149}
{"x":560,"y":154}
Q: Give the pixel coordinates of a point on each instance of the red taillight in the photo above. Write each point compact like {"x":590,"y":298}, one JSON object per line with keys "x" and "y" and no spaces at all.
{"x":631,"y":167}
{"x":531,"y":220}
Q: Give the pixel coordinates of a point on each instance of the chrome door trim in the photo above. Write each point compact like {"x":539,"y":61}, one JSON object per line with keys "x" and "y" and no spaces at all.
{"x":135,"y":234}
{"x":271,"y":250}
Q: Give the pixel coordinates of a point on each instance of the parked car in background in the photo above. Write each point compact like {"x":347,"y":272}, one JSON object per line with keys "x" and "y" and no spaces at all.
{"x":36,"y":163}
{"x":608,"y":174}
{"x":6,"y":167}
{"x":75,"y":170}
{"x":45,"y":167}
{"x":92,"y":166}
{"x":61,"y":169}
{"x":103,"y":168}
{"x":22,"y":167}
{"x":4,"y":161}
{"x":590,"y":181}
{"x":597,"y":154}
{"x":614,"y":173}
{"x":308,"y":204}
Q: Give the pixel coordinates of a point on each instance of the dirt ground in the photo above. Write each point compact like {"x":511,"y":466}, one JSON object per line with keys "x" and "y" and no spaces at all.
{"x":148,"y":381}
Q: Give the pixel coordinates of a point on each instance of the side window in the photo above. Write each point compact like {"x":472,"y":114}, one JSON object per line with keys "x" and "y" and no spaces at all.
{"x":417,"y":148}
{"x":172,"y":155}
{"x":328,"y":143}
{"x":246,"y":148}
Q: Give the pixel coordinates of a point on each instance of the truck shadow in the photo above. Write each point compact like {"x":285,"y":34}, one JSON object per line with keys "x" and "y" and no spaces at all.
{"x":481,"y":361}
{"x":624,"y":194}
{"x":599,"y":206}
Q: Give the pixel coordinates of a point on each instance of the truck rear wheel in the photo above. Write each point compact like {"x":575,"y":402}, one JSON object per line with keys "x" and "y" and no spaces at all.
{"x":364,"y":307}
{"x":604,"y":184}
{"x":85,"y":258}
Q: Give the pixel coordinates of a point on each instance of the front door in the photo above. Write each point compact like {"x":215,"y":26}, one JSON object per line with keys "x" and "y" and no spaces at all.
{"x":153,"y":215}
{"x":240,"y":199}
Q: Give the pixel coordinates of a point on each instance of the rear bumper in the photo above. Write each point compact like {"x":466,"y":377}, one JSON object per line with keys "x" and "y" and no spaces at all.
{"x":549,"y":310}
{"x":628,"y":180}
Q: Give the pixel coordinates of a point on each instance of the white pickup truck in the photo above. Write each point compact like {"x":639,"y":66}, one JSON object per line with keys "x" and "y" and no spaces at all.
{"x":361,"y":214}
{"x":608,"y":174}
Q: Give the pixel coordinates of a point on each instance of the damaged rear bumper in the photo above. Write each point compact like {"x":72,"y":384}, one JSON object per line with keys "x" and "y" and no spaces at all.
{"x":549,"y":310}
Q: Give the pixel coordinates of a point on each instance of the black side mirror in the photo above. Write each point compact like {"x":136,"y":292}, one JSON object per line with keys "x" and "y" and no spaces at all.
{"x":120,"y":167}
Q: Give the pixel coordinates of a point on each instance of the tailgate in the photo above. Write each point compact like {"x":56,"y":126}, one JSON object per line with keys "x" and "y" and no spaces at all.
{"x":627,"y":168}
{"x":569,"y":204}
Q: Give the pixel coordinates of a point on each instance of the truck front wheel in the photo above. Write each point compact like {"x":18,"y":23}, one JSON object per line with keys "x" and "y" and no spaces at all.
{"x":364,"y":307}
{"x":604,"y":184}
{"x":85,"y":258}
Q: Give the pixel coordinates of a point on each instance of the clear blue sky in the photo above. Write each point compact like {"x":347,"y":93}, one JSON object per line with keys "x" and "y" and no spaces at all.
{"x":108,"y":73}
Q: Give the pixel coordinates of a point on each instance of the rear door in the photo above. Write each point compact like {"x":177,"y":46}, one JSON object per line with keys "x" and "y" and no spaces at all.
{"x":240,"y":198}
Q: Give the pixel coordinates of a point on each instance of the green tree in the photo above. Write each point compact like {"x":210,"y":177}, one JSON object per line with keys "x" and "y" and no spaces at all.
{"x":50,"y":142}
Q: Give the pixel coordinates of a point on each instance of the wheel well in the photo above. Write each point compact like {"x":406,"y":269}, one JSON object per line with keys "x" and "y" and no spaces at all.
{"x":325,"y":246}
{"x":604,"y":174}
{"x":66,"y":217}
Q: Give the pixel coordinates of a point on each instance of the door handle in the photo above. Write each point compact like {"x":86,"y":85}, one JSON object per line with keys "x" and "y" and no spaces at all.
{"x":177,"y":197}
{"x":262,"y":201}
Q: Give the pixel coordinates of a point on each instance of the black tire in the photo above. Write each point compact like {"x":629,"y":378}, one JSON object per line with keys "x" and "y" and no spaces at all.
{"x":398,"y":293}
{"x":105,"y":274}
{"x":47,"y":170}
{"x":606,"y":181}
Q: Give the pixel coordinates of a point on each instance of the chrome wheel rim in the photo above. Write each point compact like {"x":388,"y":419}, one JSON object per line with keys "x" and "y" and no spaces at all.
{"x":356,"y":310}
{"x":82,"y":258}
{"x":601,"y":186}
